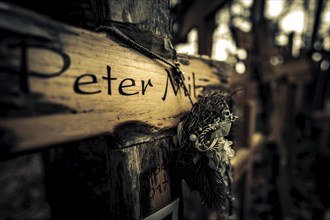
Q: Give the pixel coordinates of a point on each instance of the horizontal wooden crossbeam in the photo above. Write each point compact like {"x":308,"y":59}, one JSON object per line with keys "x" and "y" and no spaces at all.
{"x":60,"y":83}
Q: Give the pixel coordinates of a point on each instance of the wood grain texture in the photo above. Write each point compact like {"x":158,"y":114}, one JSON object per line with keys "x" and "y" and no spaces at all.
{"x":89,"y":180}
{"x":143,"y":179}
{"x":50,"y":111}
{"x":147,"y":16}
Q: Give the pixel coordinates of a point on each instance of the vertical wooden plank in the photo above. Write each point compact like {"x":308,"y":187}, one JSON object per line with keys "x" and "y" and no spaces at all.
{"x":289,"y":131}
{"x":147,"y":16}
{"x":247,"y":201}
{"x":92,"y":179}
{"x":250,"y":128}
{"x":250,"y":112}
{"x":145,"y":177}
{"x":279,"y":126}
{"x":299,"y":96}
{"x":205,"y":29}
{"x":146,"y":22}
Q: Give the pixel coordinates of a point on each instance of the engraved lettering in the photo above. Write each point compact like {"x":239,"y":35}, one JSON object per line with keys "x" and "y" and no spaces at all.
{"x":78,"y":84}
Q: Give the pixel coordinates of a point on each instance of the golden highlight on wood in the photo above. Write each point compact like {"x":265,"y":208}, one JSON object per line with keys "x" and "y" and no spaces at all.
{"x":60,"y":83}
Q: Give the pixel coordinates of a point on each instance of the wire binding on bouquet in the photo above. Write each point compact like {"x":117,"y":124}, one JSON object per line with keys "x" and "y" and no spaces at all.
{"x":204,"y":154}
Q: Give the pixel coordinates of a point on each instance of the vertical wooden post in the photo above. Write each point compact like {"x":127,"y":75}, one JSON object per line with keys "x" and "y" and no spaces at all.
{"x":250,"y":113}
{"x":205,"y":35}
{"x":279,"y":125}
{"x":146,"y":22}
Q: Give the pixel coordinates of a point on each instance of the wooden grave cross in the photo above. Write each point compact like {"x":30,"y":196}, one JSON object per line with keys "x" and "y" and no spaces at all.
{"x":60,"y":83}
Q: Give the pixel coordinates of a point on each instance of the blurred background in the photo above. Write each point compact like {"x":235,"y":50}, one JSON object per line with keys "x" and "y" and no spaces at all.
{"x":279,"y":54}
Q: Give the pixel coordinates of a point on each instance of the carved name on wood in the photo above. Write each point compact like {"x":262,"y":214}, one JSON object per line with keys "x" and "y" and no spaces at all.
{"x":59,"y":83}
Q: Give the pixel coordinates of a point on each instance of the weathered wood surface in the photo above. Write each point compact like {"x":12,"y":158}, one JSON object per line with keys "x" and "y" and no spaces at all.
{"x":147,"y":174}
{"x":59,"y":89}
{"x":129,"y":183}
{"x":148,"y":16}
